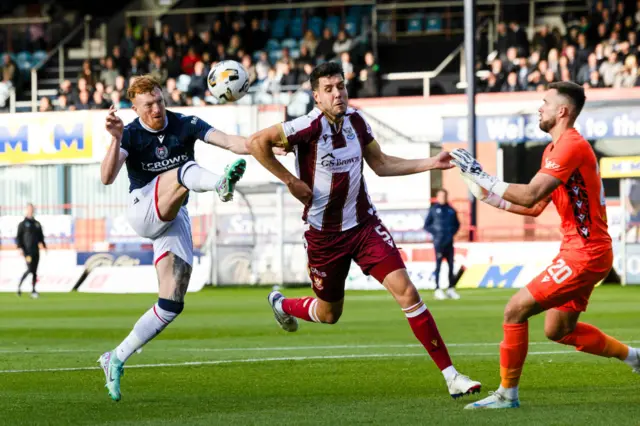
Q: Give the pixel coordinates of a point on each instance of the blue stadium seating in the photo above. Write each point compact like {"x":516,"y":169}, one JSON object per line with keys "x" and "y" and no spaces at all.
{"x":415,"y":23}
{"x":39,"y":55}
{"x":295,"y":27}
{"x":316,"y":25}
{"x":272,"y":44}
{"x":384,"y":28}
{"x":352,"y":25}
{"x":279,"y":28}
{"x":289,"y":43}
{"x":434,"y":22}
{"x":333,"y":23}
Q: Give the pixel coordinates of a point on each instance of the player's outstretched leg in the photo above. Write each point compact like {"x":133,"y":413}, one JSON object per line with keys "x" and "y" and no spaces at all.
{"x":197,"y":179}
{"x":174,"y":274}
{"x":286,"y":321}
{"x":425,"y":329}
{"x":563,"y":327}
{"x":513,"y":351}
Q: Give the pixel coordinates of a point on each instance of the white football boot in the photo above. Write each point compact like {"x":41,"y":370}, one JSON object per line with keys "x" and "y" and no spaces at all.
{"x":494,"y":400}
{"x":462,"y":385}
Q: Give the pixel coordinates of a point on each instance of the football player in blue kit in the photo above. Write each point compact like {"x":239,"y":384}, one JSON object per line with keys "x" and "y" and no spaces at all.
{"x":158,"y":149}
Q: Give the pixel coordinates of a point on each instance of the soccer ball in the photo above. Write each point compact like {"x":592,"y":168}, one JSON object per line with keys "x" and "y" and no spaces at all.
{"x":228,"y":81}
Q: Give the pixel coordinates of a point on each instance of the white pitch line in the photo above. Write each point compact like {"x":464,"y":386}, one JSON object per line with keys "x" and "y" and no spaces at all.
{"x":254,"y":360}
{"x":275,"y":348}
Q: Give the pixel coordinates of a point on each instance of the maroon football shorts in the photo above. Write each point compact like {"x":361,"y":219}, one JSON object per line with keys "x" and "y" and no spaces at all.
{"x":329,"y":255}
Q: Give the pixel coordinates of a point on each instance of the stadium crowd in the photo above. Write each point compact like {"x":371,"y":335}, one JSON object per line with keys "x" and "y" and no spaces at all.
{"x":600,"y":50}
{"x":181,"y":62}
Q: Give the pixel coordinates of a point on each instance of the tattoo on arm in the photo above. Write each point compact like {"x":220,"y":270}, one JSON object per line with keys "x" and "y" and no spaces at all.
{"x":181,"y":275}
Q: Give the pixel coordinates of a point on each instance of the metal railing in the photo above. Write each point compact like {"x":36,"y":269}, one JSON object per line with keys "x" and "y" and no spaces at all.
{"x":59,"y":49}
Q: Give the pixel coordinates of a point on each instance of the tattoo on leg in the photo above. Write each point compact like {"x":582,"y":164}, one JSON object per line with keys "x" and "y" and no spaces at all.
{"x":181,"y":275}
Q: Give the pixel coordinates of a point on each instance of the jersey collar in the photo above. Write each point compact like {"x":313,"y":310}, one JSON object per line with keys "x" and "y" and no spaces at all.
{"x":149,"y":129}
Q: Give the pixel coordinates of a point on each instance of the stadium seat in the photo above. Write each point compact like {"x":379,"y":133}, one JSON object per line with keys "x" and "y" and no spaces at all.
{"x":23,"y":56}
{"x":351,"y":25}
{"x":295,"y":27}
{"x":295,"y":53}
{"x":284,"y":14}
{"x":278,"y":28}
{"x":289,"y":43}
{"x":39,"y":55}
{"x":384,"y":28}
{"x":315,"y":25}
{"x":183,"y":83}
{"x":274,"y":55}
{"x":355,"y":11}
{"x":434,"y":22}
{"x":333,"y":23}
{"x":415,"y":23}
{"x":272,"y":44}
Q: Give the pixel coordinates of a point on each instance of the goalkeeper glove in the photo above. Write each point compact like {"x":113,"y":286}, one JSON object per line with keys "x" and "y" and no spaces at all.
{"x":473,"y":170}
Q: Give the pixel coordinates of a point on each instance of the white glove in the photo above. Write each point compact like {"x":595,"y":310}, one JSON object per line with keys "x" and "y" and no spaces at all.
{"x":484,"y":195}
{"x":470,"y":167}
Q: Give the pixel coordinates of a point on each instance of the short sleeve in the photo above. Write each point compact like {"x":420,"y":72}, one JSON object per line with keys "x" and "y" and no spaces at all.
{"x":125,"y":142}
{"x":563,"y":160}
{"x":300,"y":130}
{"x":198,"y":128}
{"x":362,"y":128}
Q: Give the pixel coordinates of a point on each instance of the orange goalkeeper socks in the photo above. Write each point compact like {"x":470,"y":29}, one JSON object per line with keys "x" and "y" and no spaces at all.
{"x":513,"y":352}
{"x":589,"y":339}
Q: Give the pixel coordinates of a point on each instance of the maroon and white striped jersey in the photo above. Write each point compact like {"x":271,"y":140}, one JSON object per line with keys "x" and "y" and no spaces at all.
{"x":329,"y":158}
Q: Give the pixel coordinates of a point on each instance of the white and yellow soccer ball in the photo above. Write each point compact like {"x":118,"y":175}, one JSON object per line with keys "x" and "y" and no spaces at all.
{"x":228,"y":81}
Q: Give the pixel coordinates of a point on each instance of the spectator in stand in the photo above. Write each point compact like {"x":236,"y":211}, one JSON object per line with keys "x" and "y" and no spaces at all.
{"x":585,"y":71}
{"x":286,"y":58}
{"x":511,"y":85}
{"x":128,"y":43}
{"x":10,"y":68}
{"x":272,"y":83}
{"x":83,"y":87}
{"x":234,"y":46}
{"x":5,"y":90}
{"x":176,"y":99}
{"x":534,"y":79}
{"x":247,"y":63}
{"x":304,"y":58}
{"x":218,"y":33}
{"x":120,"y":86}
{"x":492,"y":83}
{"x":45,"y":105}
{"x":627,"y":76}
{"x":565,"y":74}
{"x":189,"y":61}
{"x":304,"y":77}
{"x":543,"y":67}
{"x":149,"y":38}
{"x":83,"y":101}
{"x":169,"y":87}
{"x":193,"y":40}
{"x":288,"y":75}
{"x":520,"y":38}
{"x":87,"y":74}
{"x":599,"y":51}
{"x":498,"y":71}
{"x":543,"y":41}
{"x":342,"y":44}
{"x":109,"y":73}
{"x":594,"y":80}
{"x":534,"y":58}
{"x":116,"y":100}
{"x":166,"y":38}
{"x":221,"y":54}
{"x":263,"y":66}
{"x":65,"y":88}
{"x":255,"y":38}
{"x":172,"y":63}
{"x":198,"y":84}
{"x":511,"y":62}
{"x":552,"y":61}
{"x":523,"y":73}
{"x":505,"y":39}
{"x":582,"y":50}
{"x":349,"y":72}
{"x":158,"y":71}
{"x":121,"y":63}
{"x":369,"y":77}
{"x":549,"y":77}
{"x":310,"y":42}
{"x":207,"y":45}
{"x":609,"y":70}
{"x":63,"y":103}
{"x":99,"y":102}
{"x":135,"y":69}
{"x":324,"y":51}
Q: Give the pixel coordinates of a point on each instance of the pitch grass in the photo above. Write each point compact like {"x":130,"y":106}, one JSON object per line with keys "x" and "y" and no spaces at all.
{"x":378,"y":375}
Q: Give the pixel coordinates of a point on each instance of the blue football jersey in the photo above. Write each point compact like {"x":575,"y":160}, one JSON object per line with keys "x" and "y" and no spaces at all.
{"x":150,"y":152}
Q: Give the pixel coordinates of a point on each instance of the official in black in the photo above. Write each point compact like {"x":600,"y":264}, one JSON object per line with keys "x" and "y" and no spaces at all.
{"x":442,"y":223}
{"x":29,"y":238}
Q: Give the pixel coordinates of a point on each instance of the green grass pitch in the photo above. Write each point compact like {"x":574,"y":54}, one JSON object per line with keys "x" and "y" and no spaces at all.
{"x":226,"y":362}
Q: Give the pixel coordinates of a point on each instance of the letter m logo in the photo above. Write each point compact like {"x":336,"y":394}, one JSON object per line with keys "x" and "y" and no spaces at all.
{"x":62,"y":137}
{"x":10,"y":141}
{"x":495,"y":278}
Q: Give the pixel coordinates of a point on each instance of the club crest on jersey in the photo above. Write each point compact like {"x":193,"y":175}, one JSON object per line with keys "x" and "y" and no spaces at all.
{"x":162,"y":152}
{"x":349,"y":133}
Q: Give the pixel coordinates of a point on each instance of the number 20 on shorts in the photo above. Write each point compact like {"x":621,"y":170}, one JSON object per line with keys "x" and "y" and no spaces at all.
{"x":559,"y":271}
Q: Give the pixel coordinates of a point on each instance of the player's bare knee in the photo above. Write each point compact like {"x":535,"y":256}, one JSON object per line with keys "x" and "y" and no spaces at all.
{"x":514,"y":313}
{"x":555,"y":332}
{"x":331,"y":317}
